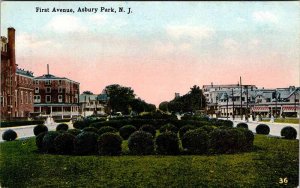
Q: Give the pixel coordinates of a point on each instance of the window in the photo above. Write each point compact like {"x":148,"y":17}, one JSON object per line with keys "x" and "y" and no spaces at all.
{"x":48,"y":89}
{"x":36,"y":90}
{"x":268,"y":99}
{"x":36,"y":82}
{"x":2,"y":101}
{"x":59,"y":98}
{"x":16,"y":98}
{"x":37,"y":99}
{"x":296,"y":100}
{"x":59,"y":82}
{"x":21,"y":97}
{"x":259,"y":100}
{"x":48,"y":98}
{"x":47,"y":82}
{"x":26,"y":98}
{"x":60,"y":90}
{"x":30,"y":97}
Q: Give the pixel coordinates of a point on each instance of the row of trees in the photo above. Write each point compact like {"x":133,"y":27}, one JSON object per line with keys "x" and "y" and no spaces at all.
{"x":193,"y":101}
{"x":122,"y":99}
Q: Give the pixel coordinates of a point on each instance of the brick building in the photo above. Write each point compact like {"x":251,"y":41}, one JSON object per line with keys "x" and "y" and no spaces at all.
{"x":56,"y":96}
{"x":16,"y":84}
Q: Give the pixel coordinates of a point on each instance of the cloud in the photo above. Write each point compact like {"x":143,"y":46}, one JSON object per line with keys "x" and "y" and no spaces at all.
{"x":189,"y":31}
{"x":65,"y":24}
{"x":264,"y":16}
{"x":231,"y":44}
{"x":98,"y":19}
{"x":27,"y":41}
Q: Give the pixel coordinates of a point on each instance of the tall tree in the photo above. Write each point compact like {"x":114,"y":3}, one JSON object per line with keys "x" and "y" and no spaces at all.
{"x":119,"y":97}
{"x":192,"y":101}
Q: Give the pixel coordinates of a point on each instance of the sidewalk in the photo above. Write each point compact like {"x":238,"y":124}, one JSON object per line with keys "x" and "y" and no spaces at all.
{"x":275,"y":128}
{"x":27,"y":131}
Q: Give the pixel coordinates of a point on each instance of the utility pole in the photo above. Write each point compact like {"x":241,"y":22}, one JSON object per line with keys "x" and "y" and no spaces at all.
{"x":247,"y":103}
{"x":241,"y":109}
{"x":232,"y":98}
{"x":275,"y":103}
{"x":227,"y":106}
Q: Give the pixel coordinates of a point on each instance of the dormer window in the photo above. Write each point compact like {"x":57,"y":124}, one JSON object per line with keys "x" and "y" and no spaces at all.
{"x":47,"y":82}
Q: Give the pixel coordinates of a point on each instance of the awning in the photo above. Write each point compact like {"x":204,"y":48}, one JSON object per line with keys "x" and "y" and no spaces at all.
{"x":260,"y":109}
{"x":290,"y":108}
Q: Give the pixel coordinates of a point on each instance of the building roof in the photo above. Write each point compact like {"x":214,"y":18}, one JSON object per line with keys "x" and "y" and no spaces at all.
{"x":24,"y":72}
{"x":52,"y":77}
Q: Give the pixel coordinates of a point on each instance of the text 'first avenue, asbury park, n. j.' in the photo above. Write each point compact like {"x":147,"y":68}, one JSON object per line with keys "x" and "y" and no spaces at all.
{"x":85,"y":10}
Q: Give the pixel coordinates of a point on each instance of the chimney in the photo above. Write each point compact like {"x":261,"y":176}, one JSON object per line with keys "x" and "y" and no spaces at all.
{"x":48,"y":69}
{"x":11,"y":47}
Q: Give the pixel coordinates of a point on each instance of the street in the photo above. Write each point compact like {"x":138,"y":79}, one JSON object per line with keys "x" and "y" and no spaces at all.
{"x":27,"y":131}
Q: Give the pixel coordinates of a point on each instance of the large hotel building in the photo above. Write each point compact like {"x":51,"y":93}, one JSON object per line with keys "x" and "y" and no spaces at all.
{"x":24,"y":96}
{"x":16,"y":84}
{"x":56,"y":96}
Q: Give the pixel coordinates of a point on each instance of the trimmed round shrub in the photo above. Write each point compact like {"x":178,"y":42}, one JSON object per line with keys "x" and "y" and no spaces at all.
{"x":141,"y":143}
{"x":48,"y":141}
{"x":109,"y":144}
{"x":106,"y":129}
{"x":126,"y":131}
{"x":74,"y":132}
{"x":207,"y":128}
{"x":79,"y":124}
{"x":249,"y":139}
{"x":90,"y":129}
{"x":39,"y":140}
{"x":184,"y":129}
{"x":289,"y":132}
{"x":226,"y":123}
{"x":39,"y":129}
{"x":242,"y":125}
{"x":85,"y":143}
{"x":168,"y":127}
{"x":227,"y":140}
{"x":167,"y":143}
{"x":64,"y":143}
{"x":195,"y":141}
{"x":149,"y":128}
{"x":262,"y":129}
{"x":9,"y":135}
{"x":62,"y":127}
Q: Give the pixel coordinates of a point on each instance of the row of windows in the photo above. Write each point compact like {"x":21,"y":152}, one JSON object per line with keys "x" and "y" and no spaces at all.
{"x":48,"y":82}
{"x":37,"y":99}
{"x":48,"y":90}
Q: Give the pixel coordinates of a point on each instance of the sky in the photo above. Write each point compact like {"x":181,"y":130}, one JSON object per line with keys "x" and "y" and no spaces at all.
{"x":160,"y":47}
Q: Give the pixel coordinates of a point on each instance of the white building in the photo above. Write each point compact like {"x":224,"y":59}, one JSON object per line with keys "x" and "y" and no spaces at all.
{"x":90,"y":104}
{"x":231,"y":100}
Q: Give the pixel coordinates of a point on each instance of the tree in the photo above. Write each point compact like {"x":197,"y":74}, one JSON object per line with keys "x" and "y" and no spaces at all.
{"x":119,"y":97}
{"x":190,"y":102}
{"x":164,"y":106}
{"x":88,"y":92}
{"x":122,"y":99}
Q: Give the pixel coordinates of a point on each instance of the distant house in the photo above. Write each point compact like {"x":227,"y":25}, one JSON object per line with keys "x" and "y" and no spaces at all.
{"x":56,"y":96}
{"x":90,"y":104}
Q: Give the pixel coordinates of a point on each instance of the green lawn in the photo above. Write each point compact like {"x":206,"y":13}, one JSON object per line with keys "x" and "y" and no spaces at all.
{"x":286,"y":120}
{"x":272,"y":159}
